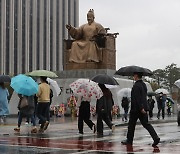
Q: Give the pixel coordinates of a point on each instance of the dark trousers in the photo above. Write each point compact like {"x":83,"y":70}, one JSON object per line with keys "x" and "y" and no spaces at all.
{"x":20,"y":117}
{"x":159,"y":110}
{"x":125,"y":113}
{"x":144,"y":121}
{"x":42,"y":110}
{"x":84,"y":116}
{"x":100,"y":118}
{"x":169,"y":111}
{"x":150,"y":113}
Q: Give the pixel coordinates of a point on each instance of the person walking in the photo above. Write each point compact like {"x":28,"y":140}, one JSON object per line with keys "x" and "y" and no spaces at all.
{"x":43,"y":104}
{"x":84,"y":115}
{"x":26,"y":109}
{"x":139,"y":108}
{"x":103,"y":108}
{"x":151,"y":103}
{"x":169,"y":106}
{"x":161,"y":100}
{"x":125,"y":106}
{"x":4,"y":109}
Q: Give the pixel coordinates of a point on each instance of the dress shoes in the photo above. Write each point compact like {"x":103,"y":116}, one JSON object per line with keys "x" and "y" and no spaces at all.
{"x":156,"y":141}
{"x":126,"y":142}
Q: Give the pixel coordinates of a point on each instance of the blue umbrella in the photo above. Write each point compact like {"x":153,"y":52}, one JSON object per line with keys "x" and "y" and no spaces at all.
{"x":24,"y":85}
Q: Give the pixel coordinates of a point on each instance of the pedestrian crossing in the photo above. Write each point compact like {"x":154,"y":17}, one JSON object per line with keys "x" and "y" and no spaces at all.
{"x":61,"y":140}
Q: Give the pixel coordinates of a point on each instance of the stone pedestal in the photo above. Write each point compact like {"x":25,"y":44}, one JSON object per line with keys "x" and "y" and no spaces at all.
{"x":84,"y":73}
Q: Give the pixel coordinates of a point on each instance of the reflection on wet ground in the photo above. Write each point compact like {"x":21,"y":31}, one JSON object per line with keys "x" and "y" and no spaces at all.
{"x":63,"y":138}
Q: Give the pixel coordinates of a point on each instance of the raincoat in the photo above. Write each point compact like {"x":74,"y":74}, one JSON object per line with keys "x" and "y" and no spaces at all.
{"x":4,"y":94}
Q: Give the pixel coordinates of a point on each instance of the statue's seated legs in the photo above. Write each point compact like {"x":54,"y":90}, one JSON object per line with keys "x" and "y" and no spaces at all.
{"x":106,"y":55}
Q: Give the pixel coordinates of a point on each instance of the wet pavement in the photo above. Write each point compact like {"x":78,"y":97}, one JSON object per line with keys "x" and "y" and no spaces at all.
{"x":62,"y":137}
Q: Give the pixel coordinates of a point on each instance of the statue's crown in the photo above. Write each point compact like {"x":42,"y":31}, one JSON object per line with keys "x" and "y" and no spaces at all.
{"x":91,"y":11}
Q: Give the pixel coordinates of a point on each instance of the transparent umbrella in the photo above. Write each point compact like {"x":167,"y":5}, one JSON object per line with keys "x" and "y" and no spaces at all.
{"x":162,"y":90}
{"x":55,"y":87}
{"x":124,"y":92}
{"x":177,"y":83}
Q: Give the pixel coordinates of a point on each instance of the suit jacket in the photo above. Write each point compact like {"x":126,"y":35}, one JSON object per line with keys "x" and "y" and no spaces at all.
{"x":139,"y":97}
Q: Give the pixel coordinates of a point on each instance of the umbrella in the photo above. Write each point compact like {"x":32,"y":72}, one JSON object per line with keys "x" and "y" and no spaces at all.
{"x":104,"y":79}
{"x":151,"y":93}
{"x":5,"y":78}
{"x":177,"y":83}
{"x":42,"y":73}
{"x":130,"y":70}
{"x":55,"y":87}
{"x":170,"y":99}
{"x":124,"y":92}
{"x":111,"y":86}
{"x":24,"y":85}
{"x":86,"y":88}
{"x":162,"y":90}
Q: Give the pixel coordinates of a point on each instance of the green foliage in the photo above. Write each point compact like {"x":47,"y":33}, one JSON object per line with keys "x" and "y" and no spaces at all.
{"x":166,"y":77}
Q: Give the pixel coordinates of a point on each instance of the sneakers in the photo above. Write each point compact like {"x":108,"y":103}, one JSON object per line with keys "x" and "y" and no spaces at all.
{"x":46,"y":125}
{"x":34,"y":130}
{"x":17,"y":129}
{"x":156,"y":141}
{"x":94,"y":129}
{"x":113,"y":128}
{"x":41,"y":130}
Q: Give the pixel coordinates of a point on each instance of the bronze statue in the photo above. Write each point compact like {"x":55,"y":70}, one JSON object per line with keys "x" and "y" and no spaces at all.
{"x":84,"y":48}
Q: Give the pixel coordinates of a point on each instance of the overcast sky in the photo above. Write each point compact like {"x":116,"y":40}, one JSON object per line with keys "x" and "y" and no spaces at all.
{"x":149,"y":30}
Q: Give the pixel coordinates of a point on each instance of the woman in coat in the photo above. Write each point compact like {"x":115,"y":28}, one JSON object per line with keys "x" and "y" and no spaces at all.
{"x":26,"y":108}
{"x":4,"y":110}
{"x":103,"y":109}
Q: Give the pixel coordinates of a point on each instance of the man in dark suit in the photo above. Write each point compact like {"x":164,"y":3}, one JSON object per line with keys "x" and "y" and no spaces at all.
{"x":139,"y":108}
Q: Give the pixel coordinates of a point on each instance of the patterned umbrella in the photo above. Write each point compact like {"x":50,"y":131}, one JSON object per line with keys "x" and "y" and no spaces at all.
{"x":87,"y":89}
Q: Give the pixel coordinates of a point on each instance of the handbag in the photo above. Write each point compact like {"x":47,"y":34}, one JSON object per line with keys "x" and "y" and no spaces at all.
{"x":23,"y":102}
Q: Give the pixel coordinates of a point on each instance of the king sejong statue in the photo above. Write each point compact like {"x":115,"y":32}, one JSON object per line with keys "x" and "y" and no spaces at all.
{"x":84,"y":48}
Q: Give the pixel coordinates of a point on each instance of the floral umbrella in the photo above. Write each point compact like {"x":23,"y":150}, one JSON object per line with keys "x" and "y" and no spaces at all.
{"x":87,"y":89}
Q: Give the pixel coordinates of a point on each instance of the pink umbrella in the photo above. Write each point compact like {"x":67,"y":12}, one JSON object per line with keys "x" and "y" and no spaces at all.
{"x":86,"y":88}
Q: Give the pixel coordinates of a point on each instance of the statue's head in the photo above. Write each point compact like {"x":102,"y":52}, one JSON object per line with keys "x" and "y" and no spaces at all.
{"x":90,"y":16}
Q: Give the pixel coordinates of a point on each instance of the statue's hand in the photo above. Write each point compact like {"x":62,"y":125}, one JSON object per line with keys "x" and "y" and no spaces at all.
{"x":68,"y":27}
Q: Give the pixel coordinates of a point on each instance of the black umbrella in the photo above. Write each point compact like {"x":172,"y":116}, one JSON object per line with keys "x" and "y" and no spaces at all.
{"x":5,"y":78}
{"x":170,"y":99}
{"x":151,"y":93}
{"x":104,"y":79}
{"x":130,"y":70}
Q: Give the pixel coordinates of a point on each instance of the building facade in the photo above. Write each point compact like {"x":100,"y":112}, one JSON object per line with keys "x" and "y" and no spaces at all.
{"x":32,"y":34}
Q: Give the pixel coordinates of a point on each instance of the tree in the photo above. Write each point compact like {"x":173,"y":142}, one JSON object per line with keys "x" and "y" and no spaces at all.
{"x":166,"y":77}
{"x":159,"y":75}
{"x":172,"y":74}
